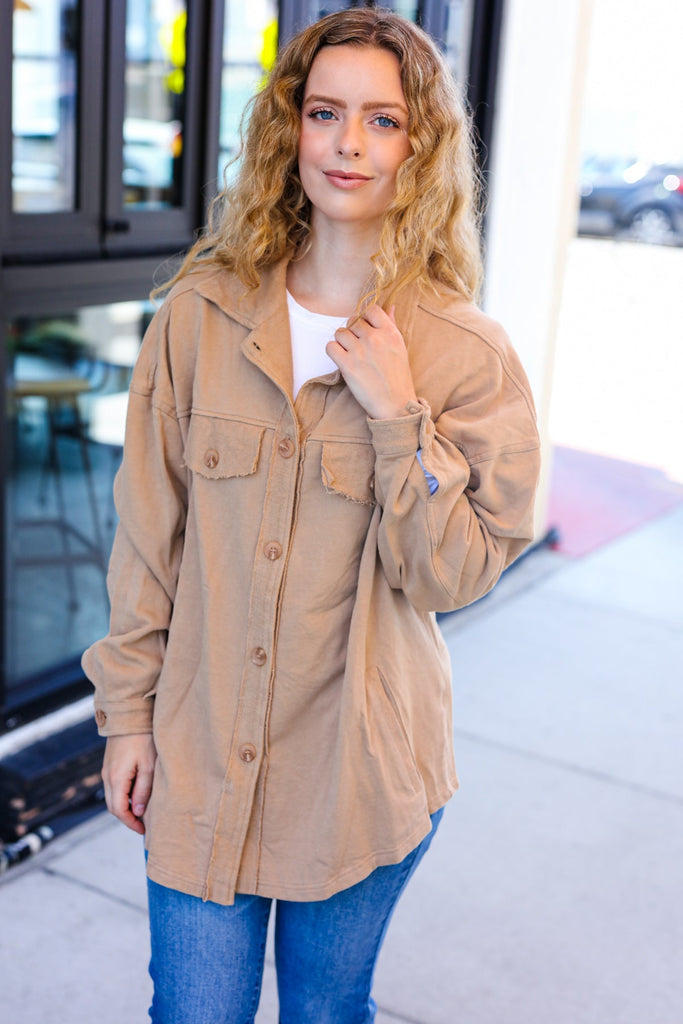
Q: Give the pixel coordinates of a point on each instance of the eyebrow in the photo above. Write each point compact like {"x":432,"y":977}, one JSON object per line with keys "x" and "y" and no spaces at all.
{"x":370,"y":105}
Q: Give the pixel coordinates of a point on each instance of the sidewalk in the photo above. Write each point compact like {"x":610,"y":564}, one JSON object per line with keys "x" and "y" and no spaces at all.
{"x":553,"y":893}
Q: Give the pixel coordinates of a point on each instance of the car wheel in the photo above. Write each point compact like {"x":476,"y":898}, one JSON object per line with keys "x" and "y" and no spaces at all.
{"x":651,"y":224}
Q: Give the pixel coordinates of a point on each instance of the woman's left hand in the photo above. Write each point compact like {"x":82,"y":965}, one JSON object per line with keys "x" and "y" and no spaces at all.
{"x":372,"y":357}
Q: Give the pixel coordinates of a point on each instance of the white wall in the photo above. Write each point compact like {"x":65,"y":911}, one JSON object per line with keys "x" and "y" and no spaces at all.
{"x":533,"y":196}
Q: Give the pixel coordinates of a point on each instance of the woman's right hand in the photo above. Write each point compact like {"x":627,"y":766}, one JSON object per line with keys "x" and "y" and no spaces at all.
{"x":127,"y":773}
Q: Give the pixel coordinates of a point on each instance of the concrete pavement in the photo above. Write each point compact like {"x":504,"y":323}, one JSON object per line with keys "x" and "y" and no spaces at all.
{"x":553,"y":893}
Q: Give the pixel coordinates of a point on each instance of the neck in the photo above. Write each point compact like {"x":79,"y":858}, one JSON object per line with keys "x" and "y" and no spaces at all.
{"x":335,"y":272}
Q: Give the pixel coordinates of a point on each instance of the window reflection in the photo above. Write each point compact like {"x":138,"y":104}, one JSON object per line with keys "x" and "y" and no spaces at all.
{"x":44,"y":76}
{"x":155,"y":102}
{"x":408,"y":8}
{"x":67,"y":394}
{"x":250,"y":41}
{"x":458,"y":37}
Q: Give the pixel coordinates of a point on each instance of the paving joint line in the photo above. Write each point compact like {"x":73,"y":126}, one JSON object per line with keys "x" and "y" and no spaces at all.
{"x":399,"y":1016}
{"x":494,"y":601}
{"x":64,"y":877}
{"x":576,"y":769}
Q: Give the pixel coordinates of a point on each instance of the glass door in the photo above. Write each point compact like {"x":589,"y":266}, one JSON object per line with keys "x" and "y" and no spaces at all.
{"x":250,"y":42}
{"x":103,"y":125}
{"x":318,"y":8}
{"x":67,"y":370}
{"x":49,"y":187}
{"x":44,"y":111}
{"x":152,"y":175}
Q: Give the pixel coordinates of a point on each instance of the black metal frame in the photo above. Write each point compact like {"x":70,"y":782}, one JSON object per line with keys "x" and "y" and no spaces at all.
{"x":65,"y":260}
{"x":101,"y":226}
{"x":482,"y":79}
{"x":126,"y":229}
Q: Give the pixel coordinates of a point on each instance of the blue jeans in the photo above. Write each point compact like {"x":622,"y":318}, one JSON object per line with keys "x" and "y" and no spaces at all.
{"x":207,"y":959}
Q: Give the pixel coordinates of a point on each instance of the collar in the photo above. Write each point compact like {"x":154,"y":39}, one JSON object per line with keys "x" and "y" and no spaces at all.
{"x":264,"y":312}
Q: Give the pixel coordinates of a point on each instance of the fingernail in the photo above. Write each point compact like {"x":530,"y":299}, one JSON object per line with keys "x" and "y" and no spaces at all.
{"x":138,"y":809}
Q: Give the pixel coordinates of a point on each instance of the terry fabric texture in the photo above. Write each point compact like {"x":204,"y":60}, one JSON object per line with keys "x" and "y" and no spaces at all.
{"x":274,"y":577}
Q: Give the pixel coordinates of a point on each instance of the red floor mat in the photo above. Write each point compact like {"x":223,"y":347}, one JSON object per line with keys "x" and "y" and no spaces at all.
{"x":594,"y":499}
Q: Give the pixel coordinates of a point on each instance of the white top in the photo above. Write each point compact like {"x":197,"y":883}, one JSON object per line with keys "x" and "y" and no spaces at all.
{"x":310,"y":334}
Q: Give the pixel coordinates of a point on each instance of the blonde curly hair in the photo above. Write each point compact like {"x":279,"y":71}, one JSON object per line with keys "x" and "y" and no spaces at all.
{"x":431,"y":228}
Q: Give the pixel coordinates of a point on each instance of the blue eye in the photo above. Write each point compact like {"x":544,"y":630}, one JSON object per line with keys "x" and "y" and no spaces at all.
{"x":384,"y":121}
{"x":322,"y":115}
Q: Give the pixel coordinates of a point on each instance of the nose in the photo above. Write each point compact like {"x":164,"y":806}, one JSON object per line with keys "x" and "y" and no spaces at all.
{"x":349,"y":142}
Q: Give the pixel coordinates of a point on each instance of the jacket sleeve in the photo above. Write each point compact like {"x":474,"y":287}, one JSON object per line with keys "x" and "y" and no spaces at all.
{"x":150,"y":493}
{"x":447,"y":549}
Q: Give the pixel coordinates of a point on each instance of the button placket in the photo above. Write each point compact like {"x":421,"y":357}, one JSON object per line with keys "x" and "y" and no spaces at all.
{"x":268,"y":567}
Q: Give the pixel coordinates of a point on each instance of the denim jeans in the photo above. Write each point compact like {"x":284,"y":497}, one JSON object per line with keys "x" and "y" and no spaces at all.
{"x":207,"y":959}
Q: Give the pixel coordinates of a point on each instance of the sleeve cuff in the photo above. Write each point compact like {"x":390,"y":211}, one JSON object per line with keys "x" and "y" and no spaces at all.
{"x":406,"y":433}
{"x":117,"y":721}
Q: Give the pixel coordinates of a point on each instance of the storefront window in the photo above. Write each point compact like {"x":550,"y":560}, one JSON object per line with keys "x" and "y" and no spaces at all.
{"x":66,"y":402}
{"x":457,"y":38}
{"x":44,"y":83}
{"x":407,"y":8}
{"x":154,"y":102}
{"x":249,"y":48}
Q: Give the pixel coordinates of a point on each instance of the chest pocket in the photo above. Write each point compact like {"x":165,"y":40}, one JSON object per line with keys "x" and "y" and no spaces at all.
{"x":219,"y":449}
{"x":348,"y":469}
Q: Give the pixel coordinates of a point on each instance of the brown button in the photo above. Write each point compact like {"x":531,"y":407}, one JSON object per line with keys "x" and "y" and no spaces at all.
{"x":211,"y":458}
{"x":248,"y":752}
{"x":259,"y":656}
{"x":100,"y":718}
{"x":286,"y":447}
{"x":272,"y":550}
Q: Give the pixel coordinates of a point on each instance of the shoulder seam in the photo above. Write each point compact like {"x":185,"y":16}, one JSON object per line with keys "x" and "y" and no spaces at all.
{"x":456,"y":322}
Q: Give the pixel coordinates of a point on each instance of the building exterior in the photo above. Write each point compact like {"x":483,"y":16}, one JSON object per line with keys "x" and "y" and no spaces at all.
{"x":117,"y":123}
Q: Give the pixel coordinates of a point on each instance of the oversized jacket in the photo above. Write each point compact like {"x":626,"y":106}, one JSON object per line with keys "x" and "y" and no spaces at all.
{"x":274,"y":578}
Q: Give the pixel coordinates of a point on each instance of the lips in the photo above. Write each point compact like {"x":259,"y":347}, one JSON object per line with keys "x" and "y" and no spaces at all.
{"x":347,"y":174}
{"x":346,"y":179}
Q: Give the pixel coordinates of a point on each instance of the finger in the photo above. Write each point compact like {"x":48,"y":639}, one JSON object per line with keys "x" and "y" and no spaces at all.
{"x":345,"y":337}
{"x":141,"y":792}
{"x":375,"y":316}
{"x":119,"y":801}
{"x":337,"y":353}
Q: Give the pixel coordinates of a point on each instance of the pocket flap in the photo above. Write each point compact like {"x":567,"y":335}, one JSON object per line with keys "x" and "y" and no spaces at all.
{"x":348,"y":468}
{"x":218,"y":449}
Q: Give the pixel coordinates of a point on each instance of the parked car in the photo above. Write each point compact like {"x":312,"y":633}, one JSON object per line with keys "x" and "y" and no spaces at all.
{"x":632,"y":199}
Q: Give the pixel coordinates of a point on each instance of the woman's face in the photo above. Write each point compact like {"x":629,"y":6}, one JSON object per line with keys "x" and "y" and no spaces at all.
{"x":354,"y":134}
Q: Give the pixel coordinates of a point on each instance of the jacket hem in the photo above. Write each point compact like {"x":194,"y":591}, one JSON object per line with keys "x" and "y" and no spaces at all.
{"x":306,"y":893}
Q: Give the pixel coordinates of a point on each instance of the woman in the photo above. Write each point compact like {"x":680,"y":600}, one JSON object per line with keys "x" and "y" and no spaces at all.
{"x":327,"y":442}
